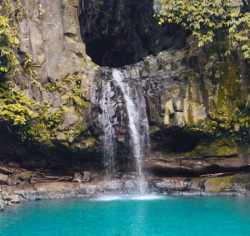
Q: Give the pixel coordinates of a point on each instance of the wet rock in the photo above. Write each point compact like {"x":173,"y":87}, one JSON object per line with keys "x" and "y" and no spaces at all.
{"x":77,"y":178}
{"x":15,"y":199}
{"x":110,"y":187}
{"x":12,"y":199}
{"x":86,"y":176}
{"x":2,"y":204}
{"x":122,"y":129}
{"x":25,"y":177}
{"x":230,"y":185}
{"x":11,"y":182}
{"x":61,"y":137}
{"x":130,"y":187}
{"x":3,"y":179}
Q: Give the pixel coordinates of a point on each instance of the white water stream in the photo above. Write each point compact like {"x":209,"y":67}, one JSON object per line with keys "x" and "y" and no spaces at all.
{"x":138,"y":123}
{"x":109,"y":142}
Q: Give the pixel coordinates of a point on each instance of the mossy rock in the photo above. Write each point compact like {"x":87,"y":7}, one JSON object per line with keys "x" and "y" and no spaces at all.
{"x":221,"y":148}
{"x":170,"y":155}
{"x":25,"y":177}
{"x":216,"y":184}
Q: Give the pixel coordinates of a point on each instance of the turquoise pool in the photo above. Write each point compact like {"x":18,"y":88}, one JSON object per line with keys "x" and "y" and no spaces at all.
{"x":136,"y":216}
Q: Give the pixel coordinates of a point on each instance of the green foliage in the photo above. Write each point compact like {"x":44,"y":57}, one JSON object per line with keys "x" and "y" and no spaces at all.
{"x":57,"y":86}
{"x":100,"y":3}
{"x":46,"y":123}
{"x":78,"y":97}
{"x":219,"y":125}
{"x":52,"y":87}
{"x":13,"y":12}
{"x":79,"y":129}
{"x":29,"y":67}
{"x":8,"y":43}
{"x":41,"y":11}
{"x":15,"y":108}
{"x":65,"y":4}
{"x":76,"y":94}
{"x":29,"y":119}
{"x":205,"y":17}
{"x":68,"y":80}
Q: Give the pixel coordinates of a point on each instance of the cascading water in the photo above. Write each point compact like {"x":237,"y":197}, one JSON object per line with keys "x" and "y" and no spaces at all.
{"x":109,"y":142}
{"x":138,"y":123}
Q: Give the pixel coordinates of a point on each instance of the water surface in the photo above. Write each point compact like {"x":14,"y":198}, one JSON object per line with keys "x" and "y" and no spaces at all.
{"x":136,"y":216}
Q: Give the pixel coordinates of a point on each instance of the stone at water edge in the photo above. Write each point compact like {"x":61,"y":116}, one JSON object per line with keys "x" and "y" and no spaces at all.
{"x":3,"y":179}
{"x":86,"y":176}
{"x":12,"y":199}
{"x":2,"y":204}
{"x":77,"y":178}
{"x":11,"y":182}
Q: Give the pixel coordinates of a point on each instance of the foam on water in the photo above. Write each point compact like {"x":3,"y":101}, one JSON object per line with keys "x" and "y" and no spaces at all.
{"x":107,"y":198}
{"x":147,"y":197}
{"x":130,"y":197}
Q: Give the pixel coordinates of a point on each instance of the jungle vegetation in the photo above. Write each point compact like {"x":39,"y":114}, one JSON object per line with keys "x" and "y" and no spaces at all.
{"x":205,"y":17}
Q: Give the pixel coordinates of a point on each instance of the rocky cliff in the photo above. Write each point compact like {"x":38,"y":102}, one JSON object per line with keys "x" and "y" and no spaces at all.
{"x":196,"y":102}
{"x":196,"y":98}
{"x":50,"y":33}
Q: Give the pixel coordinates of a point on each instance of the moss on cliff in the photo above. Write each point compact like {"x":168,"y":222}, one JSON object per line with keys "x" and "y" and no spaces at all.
{"x":216,"y":184}
{"x":220,"y":125}
{"x":226,"y":97}
{"x":15,"y":108}
{"x":219,"y":148}
{"x":30,"y":120}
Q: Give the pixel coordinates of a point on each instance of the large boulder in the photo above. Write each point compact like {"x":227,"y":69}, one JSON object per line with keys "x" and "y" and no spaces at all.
{"x":77,"y":178}
{"x":86,"y":176}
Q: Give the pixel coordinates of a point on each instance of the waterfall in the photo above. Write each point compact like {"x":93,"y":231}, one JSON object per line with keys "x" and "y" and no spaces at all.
{"x":109,"y":131}
{"x":138,"y":123}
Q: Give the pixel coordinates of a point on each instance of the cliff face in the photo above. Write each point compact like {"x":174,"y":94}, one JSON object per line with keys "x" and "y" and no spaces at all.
{"x":195,"y":97}
{"x":50,"y":33}
{"x":196,"y":105}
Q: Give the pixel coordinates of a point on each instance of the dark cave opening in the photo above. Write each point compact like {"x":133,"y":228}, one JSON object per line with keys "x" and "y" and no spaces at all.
{"x":118,"y":33}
